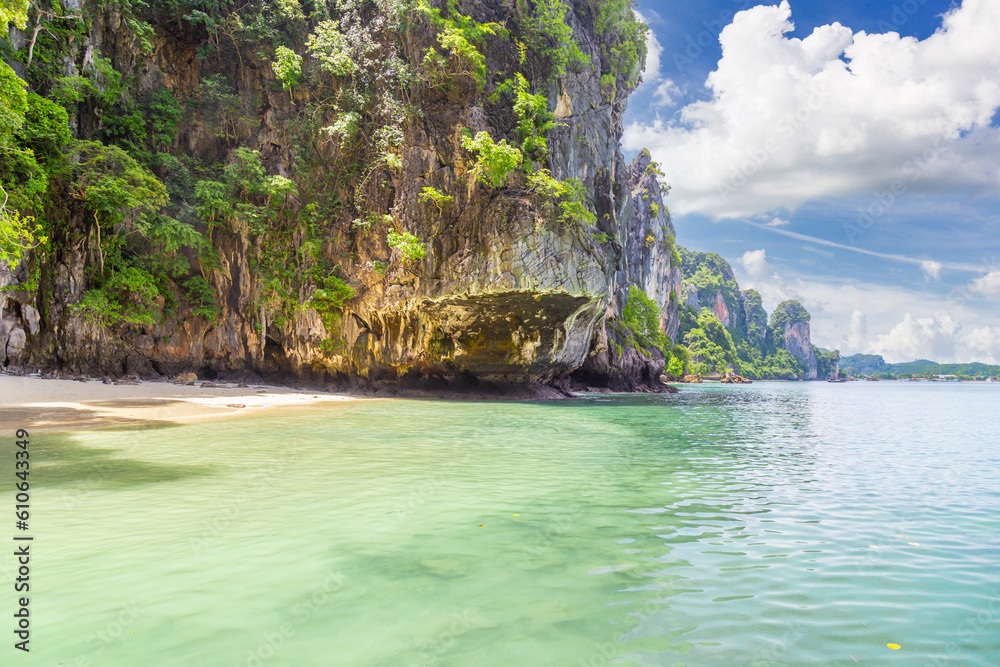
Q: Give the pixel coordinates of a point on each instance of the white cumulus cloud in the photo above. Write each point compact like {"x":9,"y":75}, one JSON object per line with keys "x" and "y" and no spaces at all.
{"x":651,"y":73}
{"x":836,"y":113}
{"x":857,"y":334}
{"x":988,"y":285}
{"x":931,"y":269}
{"x":900,"y":323}
{"x":665,"y":93}
{"x":755,"y":263}
{"x":918,"y":338}
{"x":984,"y":344}
{"x":939,"y":338}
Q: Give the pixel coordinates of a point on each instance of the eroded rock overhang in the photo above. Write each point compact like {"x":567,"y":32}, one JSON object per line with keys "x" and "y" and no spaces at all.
{"x":512,"y":336}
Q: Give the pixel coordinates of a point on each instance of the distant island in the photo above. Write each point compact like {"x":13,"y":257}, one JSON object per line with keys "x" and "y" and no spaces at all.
{"x":874,"y":366}
{"x":723,"y":328}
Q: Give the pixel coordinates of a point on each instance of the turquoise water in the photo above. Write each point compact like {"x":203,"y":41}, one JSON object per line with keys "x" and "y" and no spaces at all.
{"x":797,"y":524}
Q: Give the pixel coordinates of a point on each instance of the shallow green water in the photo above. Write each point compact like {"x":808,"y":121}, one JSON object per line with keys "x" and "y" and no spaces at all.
{"x":767,"y":524}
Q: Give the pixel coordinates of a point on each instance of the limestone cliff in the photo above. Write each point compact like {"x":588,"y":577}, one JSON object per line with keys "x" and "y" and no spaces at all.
{"x":324,"y":258}
{"x":790,"y":324}
{"x":751,"y":344}
{"x":755,"y":317}
{"x":711,"y":283}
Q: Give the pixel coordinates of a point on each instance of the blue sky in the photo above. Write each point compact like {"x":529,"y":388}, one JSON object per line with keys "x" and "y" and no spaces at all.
{"x":845,"y":154}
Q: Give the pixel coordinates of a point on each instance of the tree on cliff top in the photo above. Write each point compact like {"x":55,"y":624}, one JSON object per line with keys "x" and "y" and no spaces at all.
{"x":710,"y":274}
{"x":693,"y":262}
{"x":790,"y":313}
{"x":756,"y":316}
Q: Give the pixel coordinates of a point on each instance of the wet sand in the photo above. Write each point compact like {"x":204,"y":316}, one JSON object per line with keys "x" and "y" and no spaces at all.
{"x":39,"y":404}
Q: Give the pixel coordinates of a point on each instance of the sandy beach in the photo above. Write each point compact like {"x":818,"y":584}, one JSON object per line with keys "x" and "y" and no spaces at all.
{"x":39,"y":404}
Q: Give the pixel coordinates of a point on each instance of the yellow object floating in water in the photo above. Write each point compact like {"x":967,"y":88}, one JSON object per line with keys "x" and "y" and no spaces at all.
{"x":914,"y":544}
{"x":515,"y":515}
{"x":894,"y":647}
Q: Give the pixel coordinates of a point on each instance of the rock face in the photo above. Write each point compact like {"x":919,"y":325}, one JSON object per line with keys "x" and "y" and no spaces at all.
{"x":19,"y":320}
{"x":721,"y":310}
{"x":799,"y":345}
{"x":756,"y":317}
{"x":184,"y":379}
{"x":647,"y":237}
{"x":709,"y":282}
{"x":690,"y":296}
{"x":506,"y":293}
{"x":792,"y":320}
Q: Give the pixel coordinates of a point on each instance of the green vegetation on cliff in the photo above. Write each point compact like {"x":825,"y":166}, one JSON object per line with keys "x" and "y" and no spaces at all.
{"x":250,"y":170}
{"x":710,"y":274}
{"x":710,"y":345}
{"x":753,"y":345}
{"x":642,"y":317}
{"x":827,"y":362}
{"x":788,"y":313}
{"x":341,"y":62}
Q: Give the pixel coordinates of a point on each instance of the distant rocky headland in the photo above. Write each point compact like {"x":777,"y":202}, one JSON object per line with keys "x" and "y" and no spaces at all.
{"x":874,"y":366}
{"x":724,"y":328}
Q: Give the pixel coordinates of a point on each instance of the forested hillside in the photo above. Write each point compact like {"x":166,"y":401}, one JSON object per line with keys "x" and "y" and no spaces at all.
{"x":725,"y":328}
{"x":365,"y":191}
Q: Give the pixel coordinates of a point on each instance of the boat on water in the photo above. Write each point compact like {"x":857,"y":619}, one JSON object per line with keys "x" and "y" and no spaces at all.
{"x":836,"y":379}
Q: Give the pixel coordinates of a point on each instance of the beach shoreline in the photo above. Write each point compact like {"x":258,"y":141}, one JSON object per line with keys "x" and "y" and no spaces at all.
{"x":35,"y":403}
